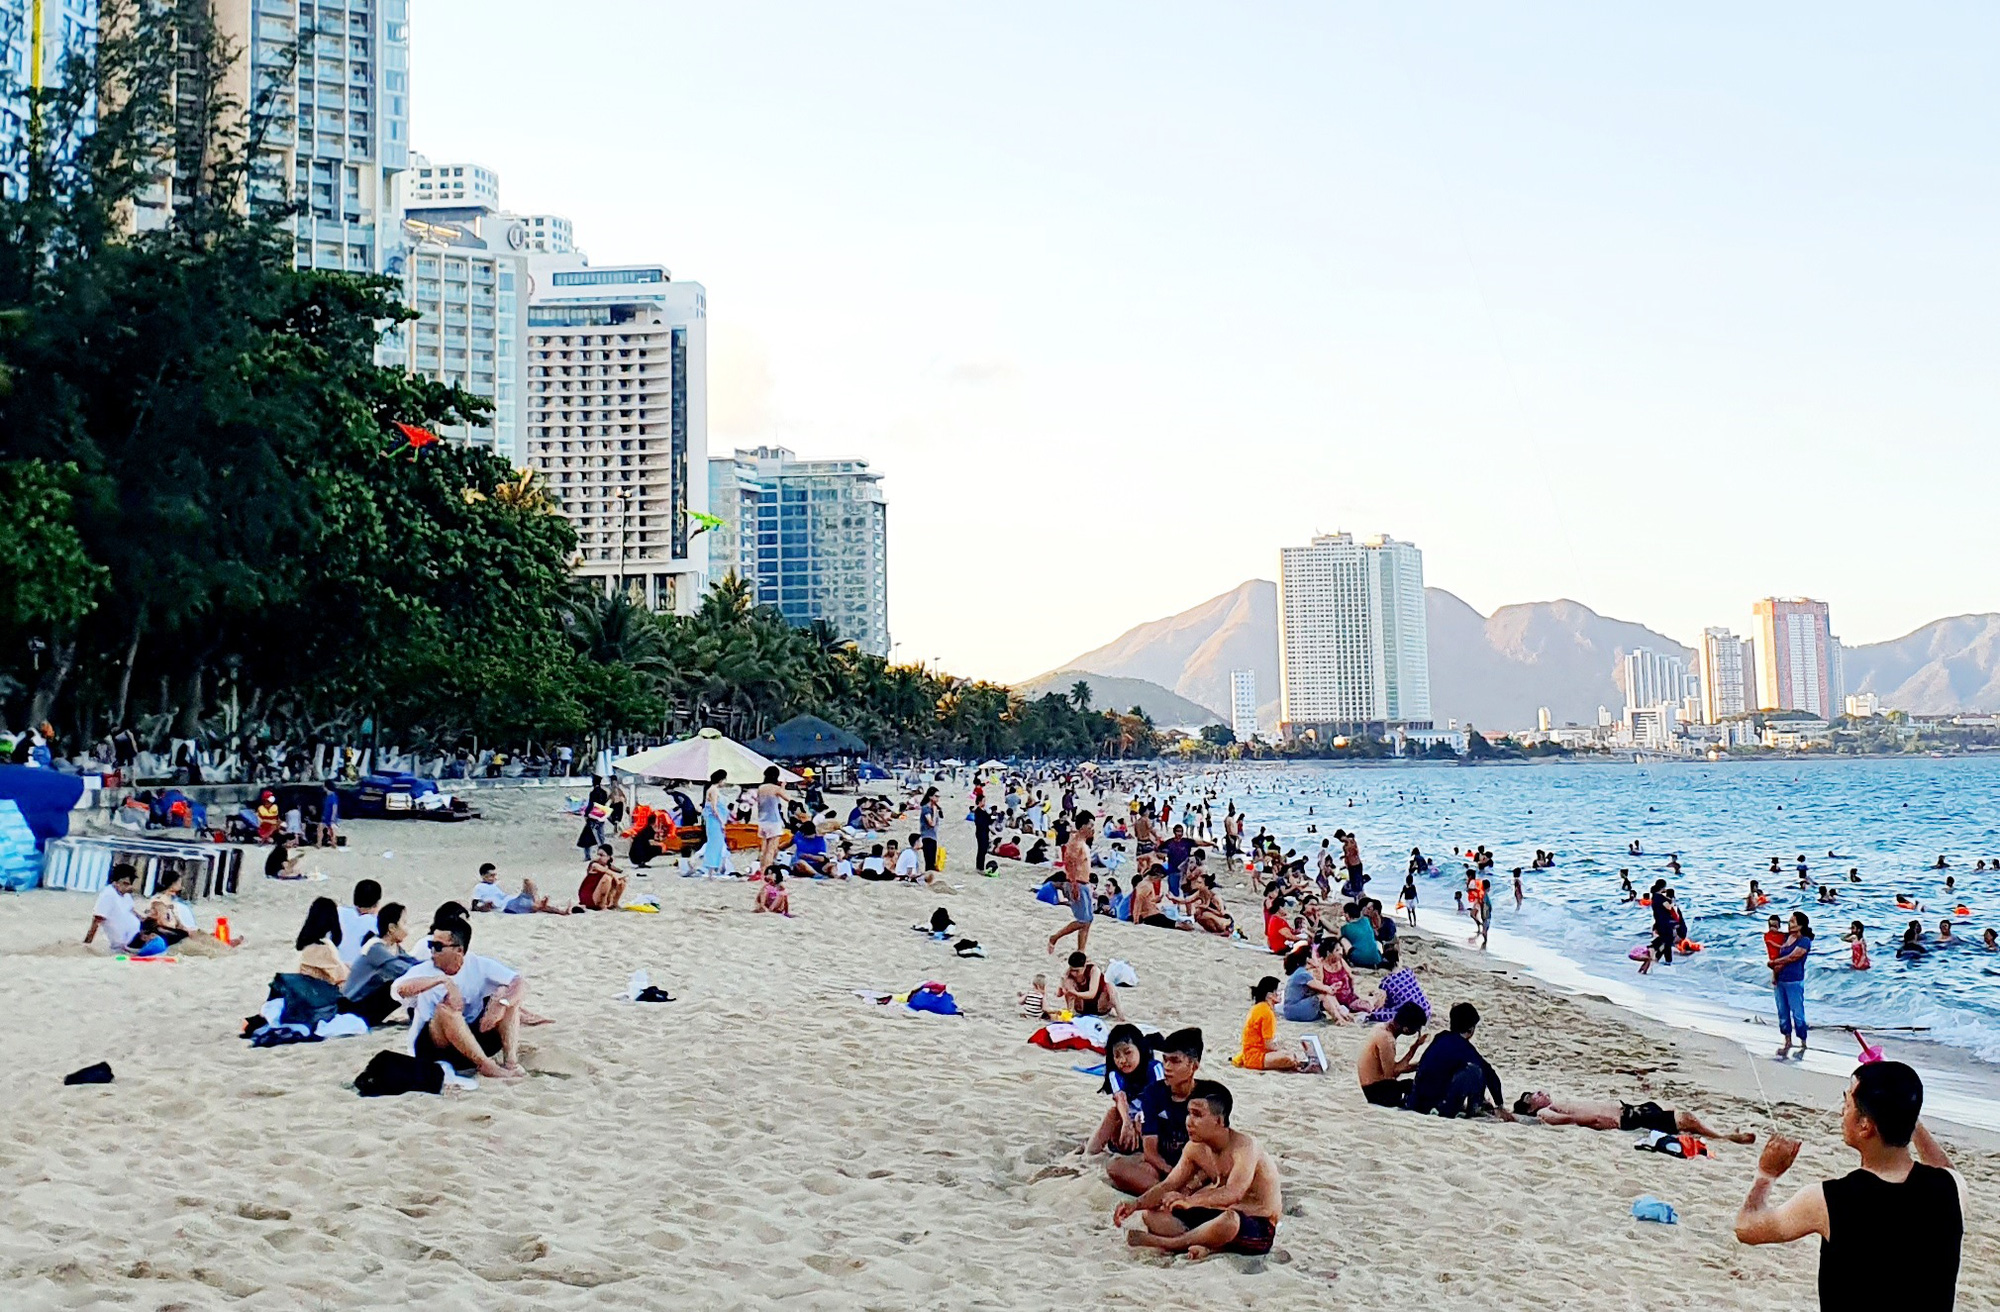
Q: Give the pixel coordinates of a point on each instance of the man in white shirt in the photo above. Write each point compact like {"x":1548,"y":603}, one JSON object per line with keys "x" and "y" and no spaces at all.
{"x":467,"y":1007}
{"x":910,"y":865}
{"x":357,"y":923}
{"x":114,"y":911}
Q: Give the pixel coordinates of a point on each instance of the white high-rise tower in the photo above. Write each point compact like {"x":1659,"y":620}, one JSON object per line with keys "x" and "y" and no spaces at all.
{"x":1353,"y":640}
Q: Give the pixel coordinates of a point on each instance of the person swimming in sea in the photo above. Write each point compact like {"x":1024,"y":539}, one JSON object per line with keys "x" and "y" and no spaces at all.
{"x":1942,"y":864}
{"x":1627,"y":892}
{"x":1752,"y":900}
{"x":1856,"y":938}
{"x":1911,"y":948}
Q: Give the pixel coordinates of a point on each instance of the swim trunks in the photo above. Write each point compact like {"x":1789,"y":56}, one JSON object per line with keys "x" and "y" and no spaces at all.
{"x":1254,"y":1234}
{"x":1646,"y":1116}
{"x":1386,"y":1093}
{"x":1159,"y":921}
{"x":428,"y":1050}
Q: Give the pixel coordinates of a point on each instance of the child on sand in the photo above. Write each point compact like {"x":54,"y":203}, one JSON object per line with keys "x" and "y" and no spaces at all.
{"x":1034,"y":1003}
{"x":771,"y":894}
{"x":1128,"y":1069}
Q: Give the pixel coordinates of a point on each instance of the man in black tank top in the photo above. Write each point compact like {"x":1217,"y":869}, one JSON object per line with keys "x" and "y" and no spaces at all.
{"x":1890,"y":1231}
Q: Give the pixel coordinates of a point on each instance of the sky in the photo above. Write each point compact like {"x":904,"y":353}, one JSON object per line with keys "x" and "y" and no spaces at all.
{"x":1658,"y":308}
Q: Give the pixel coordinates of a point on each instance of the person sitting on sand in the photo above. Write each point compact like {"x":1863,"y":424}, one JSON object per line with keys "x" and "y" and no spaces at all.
{"x":1148,"y":897}
{"x":1278,"y":933}
{"x":1261,"y":1050}
{"x":910,"y":863}
{"x":123,"y":926}
{"x":809,"y":855}
{"x":1452,"y":1079}
{"x":875,"y":866}
{"x":1008,"y":848}
{"x":357,"y":922}
{"x":658,"y":837}
{"x":1385,"y":932}
{"x":1085,"y":990}
{"x":1358,"y":934}
{"x":1128,"y":1069}
{"x":1619,"y":1116}
{"x":1890,"y":1231}
{"x":467,"y":1007}
{"x":1332,"y":970}
{"x":283,"y":862}
{"x":319,"y":943}
{"x":166,"y":912}
{"x":1204,"y":906}
{"x":1035,"y":1002}
{"x":1222,"y":1197}
{"x":530,"y":901}
{"x":603,"y":887}
{"x":1306,"y":999}
{"x":376,"y":967}
{"x":1379,"y":1068}
{"x":1162,"y":1116}
{"x":487,"y":895}
{"x":772,"y":896}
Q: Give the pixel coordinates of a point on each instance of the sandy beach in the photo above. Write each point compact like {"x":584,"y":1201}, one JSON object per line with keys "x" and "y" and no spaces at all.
{"x":770,"y":1140}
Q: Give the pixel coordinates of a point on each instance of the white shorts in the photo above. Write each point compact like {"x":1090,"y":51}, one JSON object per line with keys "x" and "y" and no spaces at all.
{"x":769,"y":830}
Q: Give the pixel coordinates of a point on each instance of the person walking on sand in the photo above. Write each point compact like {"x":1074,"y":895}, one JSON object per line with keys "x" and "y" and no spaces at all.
{"x":1890,"y":1232}
{"x":715,"y":822}
{"x":1222,"y":1197}
{"x":1076,"y":887}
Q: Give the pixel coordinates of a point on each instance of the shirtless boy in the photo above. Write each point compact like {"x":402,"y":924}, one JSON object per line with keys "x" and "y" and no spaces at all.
{"x":1076,"y":888}
{"x":1619,"y":1116}
{"x":1380,"y":1069}
{"x":1222,"y":1197}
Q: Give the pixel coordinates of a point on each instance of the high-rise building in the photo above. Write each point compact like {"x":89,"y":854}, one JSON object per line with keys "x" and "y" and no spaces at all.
{"x":1655,"y":678}
{"x":332,"y":78}
{"x":1353,"y":640}
{"x":64,"y":28}
{"x":616,"y":420}
{"x":1243,"y":704}
{"x":1728,"y":671}
{"x":811,"y":536}
{"x":468,"y":286}
{"x":1798,"y":658}
{"x":537,"y":234}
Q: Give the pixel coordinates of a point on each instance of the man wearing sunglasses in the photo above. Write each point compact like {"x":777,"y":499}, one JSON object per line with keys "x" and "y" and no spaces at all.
{"x":467,"y":1007}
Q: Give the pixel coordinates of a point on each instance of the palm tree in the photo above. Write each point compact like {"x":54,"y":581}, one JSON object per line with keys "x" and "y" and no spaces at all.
{"x":1079,"y":696}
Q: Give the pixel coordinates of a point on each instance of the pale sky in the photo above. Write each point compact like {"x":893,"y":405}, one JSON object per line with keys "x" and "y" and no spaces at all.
{"x":1659,"y":308}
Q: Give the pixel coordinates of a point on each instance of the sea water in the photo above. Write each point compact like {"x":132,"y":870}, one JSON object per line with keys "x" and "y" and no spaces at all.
{"x":1889,"y":820}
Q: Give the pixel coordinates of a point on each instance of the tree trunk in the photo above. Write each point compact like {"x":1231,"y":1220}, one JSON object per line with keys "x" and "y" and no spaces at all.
{"x":125,"y":675}
{"x":187,"y":722}
{"x":48,"y":687}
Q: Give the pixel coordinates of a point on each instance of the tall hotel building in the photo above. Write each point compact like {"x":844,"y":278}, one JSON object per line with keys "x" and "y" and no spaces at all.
{"x":811,"y":536}
{"x":1353,"y":639}
{"x":333,"y":77}
{"x":68,"y":27}
{"x":1798,"y":658}
{"x":1655,"y":678}
{"x":1243,"y":704}
{"x":616,"y":420}
{"x":1728,"y":675}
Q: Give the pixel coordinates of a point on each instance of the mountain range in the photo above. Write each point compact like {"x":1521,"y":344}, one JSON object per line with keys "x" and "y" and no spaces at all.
{"x":1497,"y":670}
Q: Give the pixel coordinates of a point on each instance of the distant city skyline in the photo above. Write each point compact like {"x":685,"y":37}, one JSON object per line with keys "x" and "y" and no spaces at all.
{"x":1483,"y":280}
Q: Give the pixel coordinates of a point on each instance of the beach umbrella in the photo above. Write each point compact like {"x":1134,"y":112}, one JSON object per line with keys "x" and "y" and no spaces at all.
{"x":991,"y":765}
{"x":695,"y":759}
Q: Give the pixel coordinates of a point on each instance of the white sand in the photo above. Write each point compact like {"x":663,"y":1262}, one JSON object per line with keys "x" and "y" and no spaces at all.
{"x":769,"y":1140}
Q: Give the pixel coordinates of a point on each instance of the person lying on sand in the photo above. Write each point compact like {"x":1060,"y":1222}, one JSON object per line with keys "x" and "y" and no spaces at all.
{"x":1085,"y":990}
{"x":1379,"y":1068}
{"x":531,"y":900}
{"x":1222,"y":1197}
{"x":1619,"y":1116}
{"x":466,"y":1007}
{"x":487,"y":895}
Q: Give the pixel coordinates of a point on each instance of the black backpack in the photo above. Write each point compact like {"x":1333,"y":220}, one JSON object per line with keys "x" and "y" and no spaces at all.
{"x":397,"y":1072}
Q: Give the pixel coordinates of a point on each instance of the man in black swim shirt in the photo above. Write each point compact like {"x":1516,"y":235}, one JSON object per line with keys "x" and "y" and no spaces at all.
{"x":1162,"y":1116}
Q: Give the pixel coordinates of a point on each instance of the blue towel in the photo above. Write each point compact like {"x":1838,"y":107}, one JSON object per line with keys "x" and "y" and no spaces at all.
{"x":1649,"y":1208}
{"x":1097,"y":1070}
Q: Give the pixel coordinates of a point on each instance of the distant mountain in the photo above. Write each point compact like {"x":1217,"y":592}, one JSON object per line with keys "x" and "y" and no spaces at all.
{"x":1193,"y":652}
{"x":1110,"y":693}
{"x":1947,"y":665}
{"x":1489,"y":671}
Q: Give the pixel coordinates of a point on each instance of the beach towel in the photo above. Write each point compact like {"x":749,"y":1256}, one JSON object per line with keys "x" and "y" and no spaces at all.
{"x":938,"y":1003}
{"x":1060,"y":1037}
{"x":307,"y":1001}
{"x":1121,"y":973}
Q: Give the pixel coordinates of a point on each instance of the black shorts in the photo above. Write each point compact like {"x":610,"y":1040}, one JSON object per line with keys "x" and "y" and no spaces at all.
{"x":1646,"y":1116}
{"x":1160,"y":921}
{"x":490,"y":1042}
{"x":1386,"y":1093}
{"x":1254,"y":1234}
